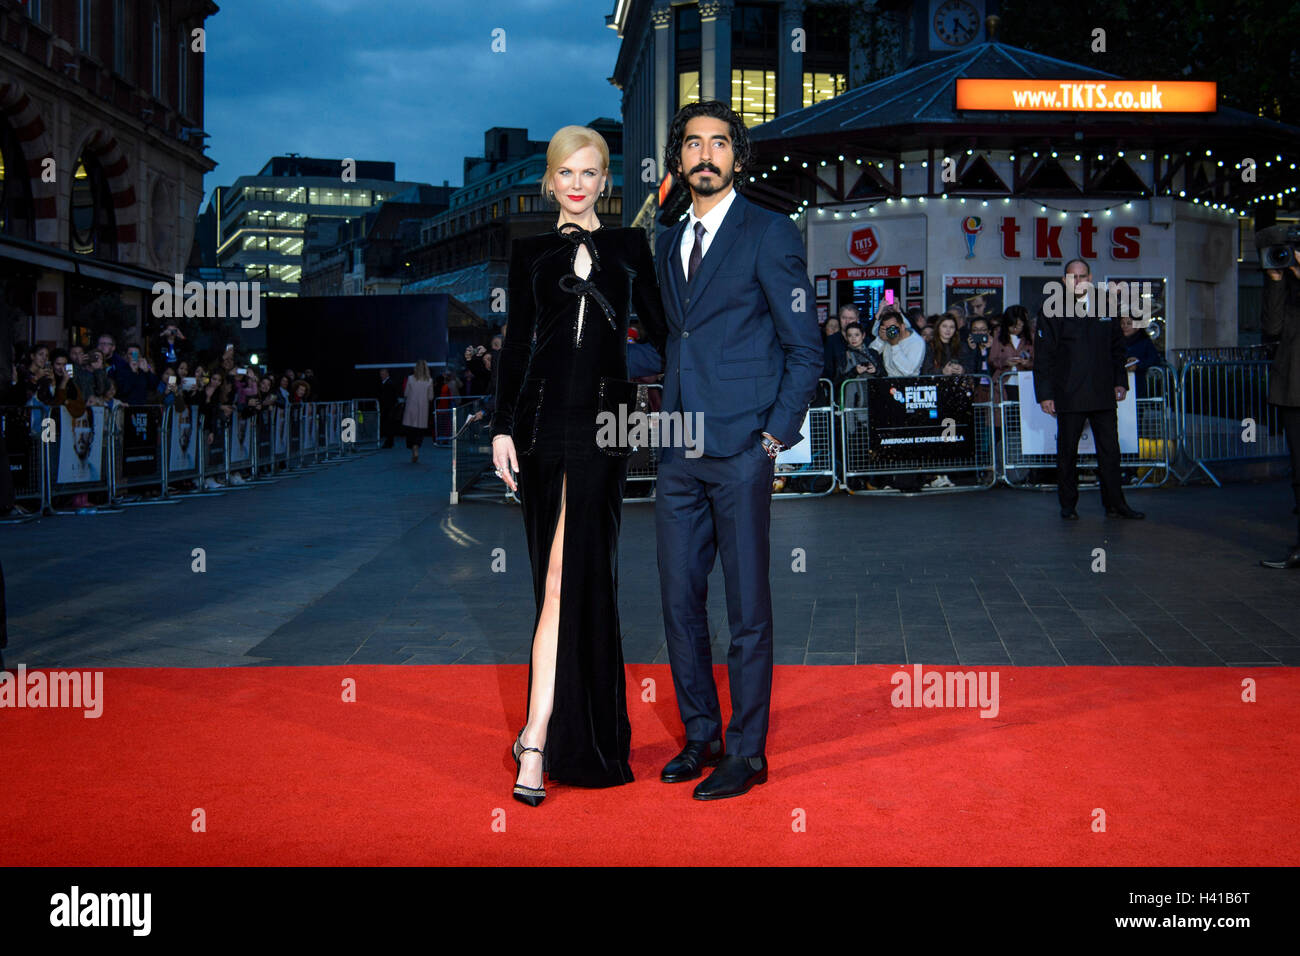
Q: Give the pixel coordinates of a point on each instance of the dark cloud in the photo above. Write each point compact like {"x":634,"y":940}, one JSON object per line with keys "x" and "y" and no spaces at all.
{"x":412,"y":82}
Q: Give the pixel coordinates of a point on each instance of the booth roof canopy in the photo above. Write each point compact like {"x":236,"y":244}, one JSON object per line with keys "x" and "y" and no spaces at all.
{"x":925,"y":96}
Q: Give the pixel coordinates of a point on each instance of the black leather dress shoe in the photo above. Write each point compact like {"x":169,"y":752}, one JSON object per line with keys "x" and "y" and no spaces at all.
{"x":733,"y":776}
{"x":690,"y":763}
{"x":1069,"y":514}
{"x":1125,"y":512}
{"x":1292,"y":560}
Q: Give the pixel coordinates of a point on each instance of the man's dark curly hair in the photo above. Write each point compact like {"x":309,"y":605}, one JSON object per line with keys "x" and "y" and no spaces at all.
{"x":718,"y":110}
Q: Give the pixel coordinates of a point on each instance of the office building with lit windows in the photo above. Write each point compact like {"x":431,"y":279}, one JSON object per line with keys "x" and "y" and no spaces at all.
{"x":764,"y":59}
{"x":465,"y":251}
{"x":260,"y":220}
{"x":101,"y":160}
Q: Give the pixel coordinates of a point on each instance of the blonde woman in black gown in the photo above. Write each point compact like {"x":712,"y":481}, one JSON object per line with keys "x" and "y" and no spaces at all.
{"x":565,"y":357}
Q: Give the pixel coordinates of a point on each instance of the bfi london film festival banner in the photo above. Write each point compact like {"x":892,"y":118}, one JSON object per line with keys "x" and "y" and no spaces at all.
{"x":919,"y":420}
{"x":81,"y":445}
{"x":1038,"y":429}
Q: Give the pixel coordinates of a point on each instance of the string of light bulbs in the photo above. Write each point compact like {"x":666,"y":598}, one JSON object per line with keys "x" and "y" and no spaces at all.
{"x":884,"y":166}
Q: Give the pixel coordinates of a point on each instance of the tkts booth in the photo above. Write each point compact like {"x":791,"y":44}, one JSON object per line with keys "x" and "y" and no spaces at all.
{"x":972,"y":179}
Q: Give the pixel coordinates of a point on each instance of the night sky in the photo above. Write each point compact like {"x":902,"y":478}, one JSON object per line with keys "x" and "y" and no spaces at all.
{"x":411,"y":81}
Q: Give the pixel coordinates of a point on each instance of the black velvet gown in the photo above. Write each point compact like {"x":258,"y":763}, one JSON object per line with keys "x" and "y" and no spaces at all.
{"x":564,"y":335}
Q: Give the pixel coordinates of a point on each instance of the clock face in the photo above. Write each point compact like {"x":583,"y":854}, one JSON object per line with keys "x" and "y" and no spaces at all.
{"x":956,"y":22}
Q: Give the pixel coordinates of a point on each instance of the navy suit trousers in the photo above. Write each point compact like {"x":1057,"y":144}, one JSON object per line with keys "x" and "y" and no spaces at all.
{"x":706,"y":507}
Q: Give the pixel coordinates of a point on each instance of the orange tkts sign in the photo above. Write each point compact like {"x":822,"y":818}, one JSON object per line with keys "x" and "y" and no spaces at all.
{"x":1097,"y":96}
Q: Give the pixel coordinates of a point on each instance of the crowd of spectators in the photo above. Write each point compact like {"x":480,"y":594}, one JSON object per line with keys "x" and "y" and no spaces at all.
{"x":985,"y":346}
{"x":223,"y":388}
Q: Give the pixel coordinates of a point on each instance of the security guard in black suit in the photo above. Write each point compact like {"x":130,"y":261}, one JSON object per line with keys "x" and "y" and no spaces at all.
{"x":1079,"y":376}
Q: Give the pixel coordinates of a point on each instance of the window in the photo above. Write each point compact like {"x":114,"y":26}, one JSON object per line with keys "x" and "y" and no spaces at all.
{"x":92,"y":224}
{"x":85,"y":29}
{"x":753,"y":95}
{"x":822,"y":86}
{"x":156,"y":48}
{"x":688,"y":88}
{"x":15,"y":186}
{"x":687,"y":34}
{"x":39,"y":10}
{"x":754,"y":28}
{"x":826,"y":59}
{"x":183,"y":75}
{"x":121,"y":37}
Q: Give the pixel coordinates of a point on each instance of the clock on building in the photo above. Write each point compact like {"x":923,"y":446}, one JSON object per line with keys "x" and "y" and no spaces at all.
{"x":956,"y":22}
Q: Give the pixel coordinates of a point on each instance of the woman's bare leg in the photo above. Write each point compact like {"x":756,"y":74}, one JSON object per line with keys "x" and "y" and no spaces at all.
{"x":545,"y":641}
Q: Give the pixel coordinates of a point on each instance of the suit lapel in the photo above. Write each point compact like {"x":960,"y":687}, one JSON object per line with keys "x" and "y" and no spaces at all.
{"x":728,"y":233}
{"x":671,"y":274}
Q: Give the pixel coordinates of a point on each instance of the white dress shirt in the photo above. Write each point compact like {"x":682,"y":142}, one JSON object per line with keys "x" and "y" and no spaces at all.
{"x":712,"y":222}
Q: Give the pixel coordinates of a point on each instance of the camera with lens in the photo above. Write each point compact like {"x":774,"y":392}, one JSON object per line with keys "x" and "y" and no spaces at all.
{"x":1277,"y":245}
{"x":980,"y":338}
{"x":892,"y":331}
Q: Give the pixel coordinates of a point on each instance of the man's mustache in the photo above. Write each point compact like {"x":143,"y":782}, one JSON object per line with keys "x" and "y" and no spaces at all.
{"x":709,"y":166}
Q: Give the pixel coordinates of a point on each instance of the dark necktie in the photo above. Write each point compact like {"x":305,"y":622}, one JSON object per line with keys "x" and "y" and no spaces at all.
{"x":697,"y":251}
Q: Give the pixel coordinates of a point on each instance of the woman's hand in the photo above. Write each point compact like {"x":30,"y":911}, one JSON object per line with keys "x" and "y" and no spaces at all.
{"x":504,"y":460}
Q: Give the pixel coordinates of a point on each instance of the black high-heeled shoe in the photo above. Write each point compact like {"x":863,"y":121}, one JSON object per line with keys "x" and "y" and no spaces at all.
{"x":529,"y":795}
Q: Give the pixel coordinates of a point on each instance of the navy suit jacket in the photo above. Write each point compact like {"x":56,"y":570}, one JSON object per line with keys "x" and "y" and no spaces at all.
{"x":743,"y":344}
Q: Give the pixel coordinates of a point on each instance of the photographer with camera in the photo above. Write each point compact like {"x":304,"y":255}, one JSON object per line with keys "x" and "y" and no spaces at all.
{"x":1279,"y":257}
{"x":901,"y":349}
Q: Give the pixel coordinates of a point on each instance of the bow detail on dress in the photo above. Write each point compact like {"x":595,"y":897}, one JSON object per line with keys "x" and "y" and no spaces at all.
{"x":576,"y":236}
{"x":572,"y":282}
{"x":569,"y":282}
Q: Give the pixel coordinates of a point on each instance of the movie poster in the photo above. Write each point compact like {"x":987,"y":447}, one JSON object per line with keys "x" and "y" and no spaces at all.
{"x":977,"y":295}
{"x":81,"y":445}
{"x":184,"y":441}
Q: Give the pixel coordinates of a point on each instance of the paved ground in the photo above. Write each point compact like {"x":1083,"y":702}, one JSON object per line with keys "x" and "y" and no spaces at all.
{"x":366,"y":562}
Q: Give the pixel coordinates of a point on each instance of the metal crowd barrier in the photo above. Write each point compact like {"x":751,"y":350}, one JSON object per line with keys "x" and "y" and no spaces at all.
{"x":1223,"y":415}
{"x":858,"y":462}
{"x":365,"y":416}
{"x":121,"y":452}
{"x":1150,"y":465}
{"x":77,"y":460}
{"x":471,"y":453}
{"x":137,"y":450}
{"x":819,"y":475}
{"x":20,"y":427}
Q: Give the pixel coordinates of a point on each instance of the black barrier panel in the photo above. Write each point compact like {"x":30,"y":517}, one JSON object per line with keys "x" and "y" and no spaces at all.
{"x":22,"y":440}
{"x":920,"y":421}
{"x":140,"y":428}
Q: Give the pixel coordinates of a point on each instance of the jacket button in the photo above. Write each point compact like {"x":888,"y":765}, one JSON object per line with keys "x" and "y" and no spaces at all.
{"x":686,"y":335}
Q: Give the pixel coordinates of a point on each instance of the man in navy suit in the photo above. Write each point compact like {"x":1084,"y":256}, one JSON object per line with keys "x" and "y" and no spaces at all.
{"x":743,"y":353}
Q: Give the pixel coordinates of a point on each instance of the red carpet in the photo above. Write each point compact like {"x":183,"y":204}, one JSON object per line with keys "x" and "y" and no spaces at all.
{"x":413,"y":772}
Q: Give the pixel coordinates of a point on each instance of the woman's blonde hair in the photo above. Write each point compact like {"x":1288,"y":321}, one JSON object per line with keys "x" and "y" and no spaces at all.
{"x":567,"y":141}
{"x":422,"y":370}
